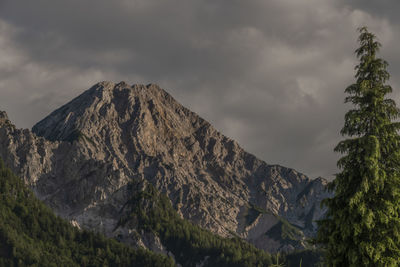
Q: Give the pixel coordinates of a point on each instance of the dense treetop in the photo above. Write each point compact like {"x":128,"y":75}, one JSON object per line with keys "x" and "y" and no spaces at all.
{"x":362,"y":227}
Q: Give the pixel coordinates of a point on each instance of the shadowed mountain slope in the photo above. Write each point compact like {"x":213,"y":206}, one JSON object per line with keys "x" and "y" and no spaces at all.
{"x":31,"y":235}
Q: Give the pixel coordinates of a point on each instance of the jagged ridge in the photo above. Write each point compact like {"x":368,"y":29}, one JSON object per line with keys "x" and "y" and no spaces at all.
{"x":113,"y":133}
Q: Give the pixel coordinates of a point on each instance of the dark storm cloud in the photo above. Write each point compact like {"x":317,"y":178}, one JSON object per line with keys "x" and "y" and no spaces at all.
{"x":269,"y":74}
{"x":387,"y":9}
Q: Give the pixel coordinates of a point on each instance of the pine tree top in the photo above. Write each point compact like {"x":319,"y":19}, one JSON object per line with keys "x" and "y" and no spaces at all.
{"x":362,"y":224}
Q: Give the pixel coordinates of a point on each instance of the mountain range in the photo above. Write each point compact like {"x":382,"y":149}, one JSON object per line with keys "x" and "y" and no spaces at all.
{"x":90,"y":158}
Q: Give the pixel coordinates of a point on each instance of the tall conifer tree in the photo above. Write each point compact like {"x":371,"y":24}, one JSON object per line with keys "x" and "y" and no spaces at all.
{"x":362,"y":226}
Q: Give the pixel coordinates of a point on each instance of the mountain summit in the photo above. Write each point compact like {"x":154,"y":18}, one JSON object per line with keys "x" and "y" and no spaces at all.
{"x":83,"y":157}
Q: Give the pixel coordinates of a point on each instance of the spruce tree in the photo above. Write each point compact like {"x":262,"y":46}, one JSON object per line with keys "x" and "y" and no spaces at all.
{"x":362,"y":224}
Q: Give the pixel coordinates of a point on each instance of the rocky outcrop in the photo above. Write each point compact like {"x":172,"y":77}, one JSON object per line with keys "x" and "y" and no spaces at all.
{"x":81,"y":158}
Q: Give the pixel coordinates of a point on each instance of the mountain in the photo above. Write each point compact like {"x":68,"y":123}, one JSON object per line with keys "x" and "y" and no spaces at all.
{"x":81,"y":159}
{"x":31,"y":235}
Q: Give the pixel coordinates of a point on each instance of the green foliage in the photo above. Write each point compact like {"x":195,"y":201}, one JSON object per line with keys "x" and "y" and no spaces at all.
{"x":283,"y":230}
{"x":362,"y":227}
{"x":309,"y":257}
{"x":31,"y":235}
{"x":277,"y":264}
{"x":190,"y":244}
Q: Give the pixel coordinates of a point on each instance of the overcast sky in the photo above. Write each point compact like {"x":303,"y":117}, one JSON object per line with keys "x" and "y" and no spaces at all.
{"x":269,"y":74}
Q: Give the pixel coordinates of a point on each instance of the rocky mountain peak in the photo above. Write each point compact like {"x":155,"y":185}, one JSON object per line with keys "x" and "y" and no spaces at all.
{"x":82,"y":157}
{"x":108,"y":105}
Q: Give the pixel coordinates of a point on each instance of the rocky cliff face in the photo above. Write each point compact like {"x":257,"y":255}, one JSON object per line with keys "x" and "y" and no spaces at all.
{"x":81,"y":158}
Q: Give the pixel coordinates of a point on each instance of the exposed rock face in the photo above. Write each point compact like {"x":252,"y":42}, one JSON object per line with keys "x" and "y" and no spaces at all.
{"x":3,"y":117}
{"x":80,"y":159}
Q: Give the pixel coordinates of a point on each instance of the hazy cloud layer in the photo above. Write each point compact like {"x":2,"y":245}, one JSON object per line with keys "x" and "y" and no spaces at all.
{"x":269,"y":74}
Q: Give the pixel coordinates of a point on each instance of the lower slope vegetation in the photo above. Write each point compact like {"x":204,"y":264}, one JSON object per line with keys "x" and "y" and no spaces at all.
{"x":150,"y":211}
{"x":31,"y":235}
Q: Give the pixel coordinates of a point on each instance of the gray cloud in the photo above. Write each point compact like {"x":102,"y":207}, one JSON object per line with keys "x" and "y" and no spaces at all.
{"x":270,"y":74}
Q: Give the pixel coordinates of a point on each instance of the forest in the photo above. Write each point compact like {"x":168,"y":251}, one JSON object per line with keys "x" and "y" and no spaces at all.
{"x":31,"y":235}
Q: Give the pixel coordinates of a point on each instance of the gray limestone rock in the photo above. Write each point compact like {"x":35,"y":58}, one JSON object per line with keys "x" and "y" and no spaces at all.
{"x":80,"y":159}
